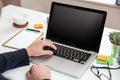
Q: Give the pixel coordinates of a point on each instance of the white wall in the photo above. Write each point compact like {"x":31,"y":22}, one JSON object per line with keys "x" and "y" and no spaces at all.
{"x":40,"y":5}
{"x":113,"y":17}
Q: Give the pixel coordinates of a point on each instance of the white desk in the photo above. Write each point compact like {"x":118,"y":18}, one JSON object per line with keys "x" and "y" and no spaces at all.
{"x":7,"y":30}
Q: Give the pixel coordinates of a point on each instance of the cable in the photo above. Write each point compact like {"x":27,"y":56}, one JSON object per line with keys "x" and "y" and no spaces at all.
{"x":106,"y":67}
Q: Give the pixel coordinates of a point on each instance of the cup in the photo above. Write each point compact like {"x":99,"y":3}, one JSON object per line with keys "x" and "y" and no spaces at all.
{"x":116,"y":51}
{"x":20,"y":19}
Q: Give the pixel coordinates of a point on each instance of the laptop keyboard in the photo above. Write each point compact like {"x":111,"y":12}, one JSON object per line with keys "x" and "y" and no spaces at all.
{"x":72,"y":54}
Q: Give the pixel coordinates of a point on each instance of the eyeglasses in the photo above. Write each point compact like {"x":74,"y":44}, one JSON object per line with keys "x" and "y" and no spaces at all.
{"x":101,"y":76}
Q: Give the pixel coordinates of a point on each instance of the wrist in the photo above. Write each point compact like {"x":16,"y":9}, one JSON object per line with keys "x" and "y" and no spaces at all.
{"x":29,"y":52}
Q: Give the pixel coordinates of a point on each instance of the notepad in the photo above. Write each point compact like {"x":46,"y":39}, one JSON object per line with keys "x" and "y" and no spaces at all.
{"x":38,"y":26}
{"x":109,"y":60}
{"x":22,"y":39}
{"x":102,"y":58}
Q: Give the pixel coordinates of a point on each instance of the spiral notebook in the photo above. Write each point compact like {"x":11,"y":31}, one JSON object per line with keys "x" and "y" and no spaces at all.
{"x":22,"y":39}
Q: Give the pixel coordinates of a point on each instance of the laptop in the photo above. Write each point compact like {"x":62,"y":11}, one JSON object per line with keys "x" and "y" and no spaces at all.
{"x":77,"y":33}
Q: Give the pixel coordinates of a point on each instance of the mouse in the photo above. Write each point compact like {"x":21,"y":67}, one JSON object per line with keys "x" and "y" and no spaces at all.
{"x":48,"y":48}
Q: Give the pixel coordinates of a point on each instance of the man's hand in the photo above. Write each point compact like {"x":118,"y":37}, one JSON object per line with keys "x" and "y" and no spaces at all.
{"x":36,"y":49}
{"x":38,"y":72}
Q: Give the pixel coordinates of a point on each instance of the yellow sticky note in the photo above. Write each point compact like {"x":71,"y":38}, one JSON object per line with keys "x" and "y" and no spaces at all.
{"x":102,"y":58}
{"x":38,"y":26}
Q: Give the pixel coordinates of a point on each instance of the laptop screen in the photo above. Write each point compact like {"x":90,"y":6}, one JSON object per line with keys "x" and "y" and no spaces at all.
{"x":76,"y":26}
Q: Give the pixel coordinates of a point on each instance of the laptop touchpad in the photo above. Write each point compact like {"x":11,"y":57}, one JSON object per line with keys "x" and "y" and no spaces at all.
{"x":51,"y":61}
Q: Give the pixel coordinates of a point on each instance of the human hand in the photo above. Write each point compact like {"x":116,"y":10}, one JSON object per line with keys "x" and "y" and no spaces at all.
{"x":36,"y":49}
{"x":38,"y":72}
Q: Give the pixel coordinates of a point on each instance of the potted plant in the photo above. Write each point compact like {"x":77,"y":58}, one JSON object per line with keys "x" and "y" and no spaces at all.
{"x":114,"y":38}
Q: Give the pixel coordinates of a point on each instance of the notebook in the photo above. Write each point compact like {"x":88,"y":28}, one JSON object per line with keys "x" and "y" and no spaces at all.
{"x":77,"y":28}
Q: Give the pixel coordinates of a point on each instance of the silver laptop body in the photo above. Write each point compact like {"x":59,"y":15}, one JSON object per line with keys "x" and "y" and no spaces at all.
{"x":77,"y":28}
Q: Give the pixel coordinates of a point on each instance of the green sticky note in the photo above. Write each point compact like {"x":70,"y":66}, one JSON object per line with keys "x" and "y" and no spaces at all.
{"x":109,"y":60}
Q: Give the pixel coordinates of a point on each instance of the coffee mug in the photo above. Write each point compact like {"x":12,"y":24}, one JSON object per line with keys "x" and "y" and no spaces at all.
{"x":20,"y":19}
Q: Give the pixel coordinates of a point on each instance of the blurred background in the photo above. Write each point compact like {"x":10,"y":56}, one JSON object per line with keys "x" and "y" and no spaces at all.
{"x":113,"y":10}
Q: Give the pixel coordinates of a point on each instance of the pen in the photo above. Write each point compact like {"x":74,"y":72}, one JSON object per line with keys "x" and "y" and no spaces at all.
{"x":33,"y":30}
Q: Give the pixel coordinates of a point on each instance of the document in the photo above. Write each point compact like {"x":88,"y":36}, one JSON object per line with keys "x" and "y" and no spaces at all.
{"x":23,"y":39}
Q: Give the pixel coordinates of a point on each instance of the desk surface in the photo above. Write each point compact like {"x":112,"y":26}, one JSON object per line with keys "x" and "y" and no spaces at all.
{"x":7,"y":30}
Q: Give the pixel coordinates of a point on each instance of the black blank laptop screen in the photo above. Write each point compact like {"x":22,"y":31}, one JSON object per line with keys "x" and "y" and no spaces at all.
{"x":76,"y":26}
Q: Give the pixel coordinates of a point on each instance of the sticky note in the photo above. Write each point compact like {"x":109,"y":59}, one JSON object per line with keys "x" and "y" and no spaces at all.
{"x":109,"y":60}
{"x":38,"y":26}
{"x":102,"y":58}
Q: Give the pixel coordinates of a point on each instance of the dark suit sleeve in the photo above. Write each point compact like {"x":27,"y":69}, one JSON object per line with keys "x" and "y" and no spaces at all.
{"x":13,"y":59}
